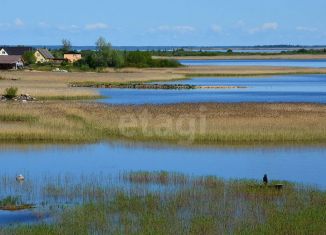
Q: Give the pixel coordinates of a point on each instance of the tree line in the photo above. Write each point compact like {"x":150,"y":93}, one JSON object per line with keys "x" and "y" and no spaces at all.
{"x":105,"y":56}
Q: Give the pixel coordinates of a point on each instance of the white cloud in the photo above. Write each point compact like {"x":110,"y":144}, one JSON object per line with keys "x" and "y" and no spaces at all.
{"x":216,"y":28}
{"x":69,"y":28}
{"x":269,"y":26}
{"x":176,"y":28}
{"x":96,"y":26}
{"x":306,"y":29}
{"x":43,"y":24}
{"x":18,"y":22}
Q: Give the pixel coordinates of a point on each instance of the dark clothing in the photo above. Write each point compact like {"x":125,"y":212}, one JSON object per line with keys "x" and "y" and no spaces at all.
{"x":265,"y":179}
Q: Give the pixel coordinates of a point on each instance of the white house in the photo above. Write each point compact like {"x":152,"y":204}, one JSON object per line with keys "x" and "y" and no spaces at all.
{"x":3,"y":52}
{"x":18,"y":50}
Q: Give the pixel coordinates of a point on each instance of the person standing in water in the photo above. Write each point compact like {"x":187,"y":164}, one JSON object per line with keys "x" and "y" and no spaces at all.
{"x":265,"y":179}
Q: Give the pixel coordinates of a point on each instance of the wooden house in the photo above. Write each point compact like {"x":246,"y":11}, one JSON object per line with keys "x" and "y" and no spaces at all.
{"x":11,"y":62}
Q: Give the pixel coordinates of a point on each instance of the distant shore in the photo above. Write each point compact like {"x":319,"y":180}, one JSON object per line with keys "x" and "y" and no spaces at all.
{"x":248,"y":57}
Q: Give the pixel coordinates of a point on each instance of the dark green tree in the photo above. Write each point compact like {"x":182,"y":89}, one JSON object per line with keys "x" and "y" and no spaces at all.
{"x":29,"y":57}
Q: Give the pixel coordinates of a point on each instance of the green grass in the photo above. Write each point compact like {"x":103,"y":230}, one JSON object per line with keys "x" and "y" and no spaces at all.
{"x":99,"y":84}
{"x":11,"y":92}
{"x":63,"y":98}
{"x":11,"y":117}
{"x":172,"y":203}
{"x":10,"y":201}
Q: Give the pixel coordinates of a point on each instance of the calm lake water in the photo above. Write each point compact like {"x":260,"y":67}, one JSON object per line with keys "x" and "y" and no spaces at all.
{"x":298,"y":164}
{"x":303,"y":165}
{"x":289,"y":88}
{"x":283,"y":63}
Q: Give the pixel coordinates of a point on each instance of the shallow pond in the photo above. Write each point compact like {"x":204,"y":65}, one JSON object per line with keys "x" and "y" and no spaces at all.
{"x":54,"y":163}
{"x":298,"y":164}
{"x":320,"y":63}
{"x":289,"y":88}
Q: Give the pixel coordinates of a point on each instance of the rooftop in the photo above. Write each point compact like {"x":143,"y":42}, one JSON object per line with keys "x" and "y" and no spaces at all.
{"x":10,"y":59}
{"x":18,"y":50}
{"x":45,"y":53}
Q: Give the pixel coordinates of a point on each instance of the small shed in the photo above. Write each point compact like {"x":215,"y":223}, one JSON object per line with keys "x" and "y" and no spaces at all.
{"x":11,"y":62}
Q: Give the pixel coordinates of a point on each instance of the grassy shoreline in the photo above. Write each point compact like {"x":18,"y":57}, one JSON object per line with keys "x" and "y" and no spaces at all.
{"x":56,"y":86}
{"x":75,"y":122}
{"x":169,"y":203}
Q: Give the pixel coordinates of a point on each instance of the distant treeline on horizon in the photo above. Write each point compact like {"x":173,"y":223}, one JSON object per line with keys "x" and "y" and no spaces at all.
{"x":195,"y":48}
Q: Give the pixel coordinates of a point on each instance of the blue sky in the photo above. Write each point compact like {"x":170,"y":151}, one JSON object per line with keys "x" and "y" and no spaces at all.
{"x":164,"y":22}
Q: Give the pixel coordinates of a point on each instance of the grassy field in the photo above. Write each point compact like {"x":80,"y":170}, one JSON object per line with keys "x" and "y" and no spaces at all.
{"x":169,"y":203}
{"x":50,"y":85}
{"x":59,"y":121}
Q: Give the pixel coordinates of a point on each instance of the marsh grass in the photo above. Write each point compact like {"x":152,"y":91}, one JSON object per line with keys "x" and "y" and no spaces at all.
{"x":75,"y":122}
{"x":12,"y":117}
{"x":14,"y":203}
{"x":172,"y":203}
{"x":10,"y":201}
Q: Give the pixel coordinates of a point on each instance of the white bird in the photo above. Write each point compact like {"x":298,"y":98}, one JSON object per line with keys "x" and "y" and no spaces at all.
{"x":20,"y":178}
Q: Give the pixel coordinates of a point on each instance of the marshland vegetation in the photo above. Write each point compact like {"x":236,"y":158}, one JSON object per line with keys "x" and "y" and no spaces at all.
{"x":59,"y":121}
{"x":15,"y":203}
{"x":169,"y":203}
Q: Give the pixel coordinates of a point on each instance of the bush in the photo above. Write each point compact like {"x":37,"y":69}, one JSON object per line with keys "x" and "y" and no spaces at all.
{"x":64,"y":63}
{"x":144,"y":59}
{"x":29,"y":57}
{"x":11,"y":92}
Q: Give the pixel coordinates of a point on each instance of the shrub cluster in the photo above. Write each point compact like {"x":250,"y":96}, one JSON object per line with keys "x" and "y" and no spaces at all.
{"x":11,"y":92}
{"x":119,"y":59}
